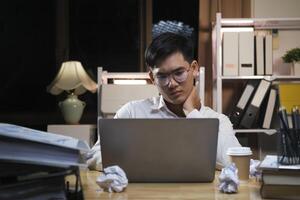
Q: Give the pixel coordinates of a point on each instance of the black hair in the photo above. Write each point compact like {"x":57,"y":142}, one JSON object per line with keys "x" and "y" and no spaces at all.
{"x":167,"y":44}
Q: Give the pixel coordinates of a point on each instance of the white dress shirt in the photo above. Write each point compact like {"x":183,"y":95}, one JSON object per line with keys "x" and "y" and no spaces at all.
{"x":156,"y":108}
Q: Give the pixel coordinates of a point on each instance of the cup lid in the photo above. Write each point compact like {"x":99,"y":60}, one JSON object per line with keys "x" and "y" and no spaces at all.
{"x":239,"y":151}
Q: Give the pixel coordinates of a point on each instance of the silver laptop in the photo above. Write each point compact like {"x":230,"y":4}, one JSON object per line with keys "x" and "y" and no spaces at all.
{"x":161,"y":150}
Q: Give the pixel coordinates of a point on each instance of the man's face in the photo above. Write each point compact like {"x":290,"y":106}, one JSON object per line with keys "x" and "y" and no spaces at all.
{"x":172,"y":68}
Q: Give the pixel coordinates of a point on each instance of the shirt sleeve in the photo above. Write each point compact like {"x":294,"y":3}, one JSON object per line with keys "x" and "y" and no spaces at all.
{"x":226,"y":135}
{"x":124,"y":111}
{"x":94,"y":158}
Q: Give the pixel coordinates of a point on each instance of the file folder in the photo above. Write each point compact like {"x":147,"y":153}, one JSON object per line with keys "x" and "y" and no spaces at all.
{"x":237,"y":113}
{"x":246,"y":53}
{"x":230,"y":53}
{"x":270,"y":109}
{"x":253,"y":108}
{"x":259,"y":55}
{"x":21,"y":144}
{"x":268,"y":55}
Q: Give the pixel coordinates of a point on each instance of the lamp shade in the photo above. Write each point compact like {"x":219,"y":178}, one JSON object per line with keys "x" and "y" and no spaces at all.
{"x":72,"y":76}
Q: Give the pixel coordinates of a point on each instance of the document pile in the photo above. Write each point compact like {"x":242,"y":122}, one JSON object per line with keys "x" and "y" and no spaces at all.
{"x":279,"y":181}
{"x":34,"y":164}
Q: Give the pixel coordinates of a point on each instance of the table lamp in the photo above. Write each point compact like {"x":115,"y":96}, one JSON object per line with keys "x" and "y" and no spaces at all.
{"x":73,"y":79}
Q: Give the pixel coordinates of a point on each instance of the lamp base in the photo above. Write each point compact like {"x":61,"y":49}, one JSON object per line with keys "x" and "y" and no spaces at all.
{"x":72,"y":109}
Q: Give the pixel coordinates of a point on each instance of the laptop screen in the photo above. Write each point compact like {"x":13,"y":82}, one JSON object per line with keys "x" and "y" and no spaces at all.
{"x":161,"y":150}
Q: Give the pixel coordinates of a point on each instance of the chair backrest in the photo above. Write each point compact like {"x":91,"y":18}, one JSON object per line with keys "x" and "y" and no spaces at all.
{"x":112,"y":96}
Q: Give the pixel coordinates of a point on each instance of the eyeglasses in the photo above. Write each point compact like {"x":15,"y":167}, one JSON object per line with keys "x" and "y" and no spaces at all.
{"x":179,"y":76}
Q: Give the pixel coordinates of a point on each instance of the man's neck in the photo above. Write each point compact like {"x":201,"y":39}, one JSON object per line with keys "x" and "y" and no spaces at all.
{"x":176,"y":109}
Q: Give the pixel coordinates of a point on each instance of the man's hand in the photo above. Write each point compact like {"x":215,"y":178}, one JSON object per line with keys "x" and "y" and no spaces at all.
{"x":192,"y":102}
{"x":93,"y":157}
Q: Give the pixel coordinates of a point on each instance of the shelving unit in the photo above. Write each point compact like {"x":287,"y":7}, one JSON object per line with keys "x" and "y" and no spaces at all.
{"x":266,"y":131}
{"x":253,"y":24}
{"x":269,"y":78}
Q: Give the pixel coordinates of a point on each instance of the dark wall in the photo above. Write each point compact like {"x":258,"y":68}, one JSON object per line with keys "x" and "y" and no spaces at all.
{"x":101,"y":33}
{"x":27,"y":54}
{"x":105,"y":33}
{"x":27,"y":59}
{"x":178,"y":10}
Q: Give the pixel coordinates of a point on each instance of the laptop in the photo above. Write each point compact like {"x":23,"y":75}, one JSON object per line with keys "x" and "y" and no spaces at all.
{"x":161,"y":150}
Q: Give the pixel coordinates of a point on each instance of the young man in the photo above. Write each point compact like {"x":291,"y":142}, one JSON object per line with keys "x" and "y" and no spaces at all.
{"x":173,"y":70}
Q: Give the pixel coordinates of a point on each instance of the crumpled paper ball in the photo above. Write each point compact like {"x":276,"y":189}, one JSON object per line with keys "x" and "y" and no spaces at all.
{"x":254,"y":169}
{"x":113,"y":179}
{"x":228,"y":179}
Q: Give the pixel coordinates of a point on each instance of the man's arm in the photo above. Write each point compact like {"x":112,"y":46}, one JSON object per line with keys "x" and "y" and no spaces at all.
{"x":124,"y":111}
{"x":226,"y":135}
{"x":192,"y":102}
{"x":93,"y":157}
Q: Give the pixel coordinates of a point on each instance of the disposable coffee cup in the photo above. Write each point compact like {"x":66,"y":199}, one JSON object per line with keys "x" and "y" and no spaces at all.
{"x":241,"y":157}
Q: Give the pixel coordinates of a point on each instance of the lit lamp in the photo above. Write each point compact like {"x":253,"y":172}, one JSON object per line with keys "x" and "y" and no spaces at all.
{"x":73,"y":79}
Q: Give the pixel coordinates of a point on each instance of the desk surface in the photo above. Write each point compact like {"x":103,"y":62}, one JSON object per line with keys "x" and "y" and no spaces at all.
{"x":167,"y":190}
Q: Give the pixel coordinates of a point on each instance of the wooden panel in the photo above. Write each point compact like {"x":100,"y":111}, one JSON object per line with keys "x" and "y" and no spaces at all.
{"x":249,"y":190}
{"x":207,"y":13}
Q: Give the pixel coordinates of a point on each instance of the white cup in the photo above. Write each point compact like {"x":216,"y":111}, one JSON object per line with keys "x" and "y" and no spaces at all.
{"x":241,"y":157}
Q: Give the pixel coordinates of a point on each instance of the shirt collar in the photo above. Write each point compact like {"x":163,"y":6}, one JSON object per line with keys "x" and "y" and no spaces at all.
{"x":158,"y":103}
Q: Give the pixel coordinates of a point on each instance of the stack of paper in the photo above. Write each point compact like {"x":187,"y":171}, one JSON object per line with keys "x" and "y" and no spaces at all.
{"x":279,"y":181}
{"x":33,"y":164}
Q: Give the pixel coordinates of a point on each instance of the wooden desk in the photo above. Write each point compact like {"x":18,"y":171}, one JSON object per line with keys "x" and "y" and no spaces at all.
{"x":167,"y":190}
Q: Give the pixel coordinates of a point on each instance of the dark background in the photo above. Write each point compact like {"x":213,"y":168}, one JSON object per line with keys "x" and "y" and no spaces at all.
{"x":101,"y":33}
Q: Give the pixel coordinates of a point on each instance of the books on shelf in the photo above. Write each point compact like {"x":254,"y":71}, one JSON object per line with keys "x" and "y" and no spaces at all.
{"x":267,"y":61}
{"x":252,"y":52}
{"x":278,"y":181}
